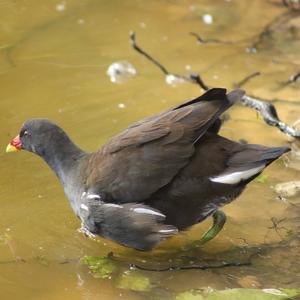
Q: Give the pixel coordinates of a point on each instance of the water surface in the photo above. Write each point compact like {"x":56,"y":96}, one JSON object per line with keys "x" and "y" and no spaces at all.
{"x":53,"y":61}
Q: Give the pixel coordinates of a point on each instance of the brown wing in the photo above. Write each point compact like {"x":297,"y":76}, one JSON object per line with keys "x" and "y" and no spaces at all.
{"x":145,"y":157}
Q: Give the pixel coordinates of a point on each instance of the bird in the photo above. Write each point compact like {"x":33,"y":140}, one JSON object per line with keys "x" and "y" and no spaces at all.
{"x":160,"y":176}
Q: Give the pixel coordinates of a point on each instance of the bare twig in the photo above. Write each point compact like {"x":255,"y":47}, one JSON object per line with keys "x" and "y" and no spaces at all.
{"x":210,"y":41}
{"x":293,"y":78}
{"x":266,"y":109}
{"x":292,"y":4}
{"x":246,"y":79}
{"x":276,"y":226}
{"x":193,"y":266}
{"x":271,"y":27}
{"x":260,"y":38}
{"x":144,"y":53}
{"x":193,"y":78}
{"x":285,"y":3}
{"x":269,"y":114}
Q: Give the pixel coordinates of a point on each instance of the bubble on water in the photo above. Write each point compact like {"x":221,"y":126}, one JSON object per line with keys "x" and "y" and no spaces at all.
{"x":60,"y":6}
{"x":120,"y":71}
{"x":188,"y":67}
{"x":207,"y":19}
{"x":174,"y":80}
{"x":121,"y":105}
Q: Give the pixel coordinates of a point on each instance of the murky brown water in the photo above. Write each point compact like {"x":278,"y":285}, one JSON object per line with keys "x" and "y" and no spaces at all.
{"x":53,"y":61}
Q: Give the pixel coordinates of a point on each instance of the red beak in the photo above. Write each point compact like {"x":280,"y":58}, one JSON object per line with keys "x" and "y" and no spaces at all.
{"x":14,"y":145}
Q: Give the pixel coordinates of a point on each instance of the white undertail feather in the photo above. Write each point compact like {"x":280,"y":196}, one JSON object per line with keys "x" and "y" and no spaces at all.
{"x":142,"y":210}
{"x":168,"y":230}
{"x":236,"y":177}
{"x":112,"y":205}
{"x":93,"y":196}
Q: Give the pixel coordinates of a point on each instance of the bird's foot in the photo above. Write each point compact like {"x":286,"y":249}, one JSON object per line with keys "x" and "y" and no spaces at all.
{"x":219,"y":219}
{"x":86,"y":232}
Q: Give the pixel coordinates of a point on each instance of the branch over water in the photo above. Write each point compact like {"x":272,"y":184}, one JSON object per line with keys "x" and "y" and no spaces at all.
{"x":193,"y":78}
{"x":267,"y":110}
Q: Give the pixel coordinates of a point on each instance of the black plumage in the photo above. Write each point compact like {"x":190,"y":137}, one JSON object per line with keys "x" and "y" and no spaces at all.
{"x":161,"y":175}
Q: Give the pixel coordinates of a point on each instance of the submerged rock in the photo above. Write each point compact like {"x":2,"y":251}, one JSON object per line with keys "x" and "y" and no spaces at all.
{"x":287,"y":189}
{"x":135,"y":281}
{"x":100,"y":267}
{"x":241,"y":294}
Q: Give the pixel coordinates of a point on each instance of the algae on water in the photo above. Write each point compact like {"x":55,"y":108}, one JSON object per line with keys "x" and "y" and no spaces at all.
{"x":240,"y":294}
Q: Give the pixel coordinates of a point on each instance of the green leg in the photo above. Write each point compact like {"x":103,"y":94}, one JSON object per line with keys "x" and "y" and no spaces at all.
{"x":219,"y":219}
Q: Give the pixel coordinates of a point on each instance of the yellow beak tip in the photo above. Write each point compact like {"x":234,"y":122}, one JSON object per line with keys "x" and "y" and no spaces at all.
{"x":11,"y":148}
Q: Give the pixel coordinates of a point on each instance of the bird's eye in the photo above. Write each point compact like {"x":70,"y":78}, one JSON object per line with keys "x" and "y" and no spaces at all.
{"x":24,"y":133}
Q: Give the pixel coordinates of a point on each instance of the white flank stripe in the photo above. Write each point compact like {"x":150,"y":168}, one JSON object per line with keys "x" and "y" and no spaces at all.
{"x":141,"y":210}
{"x":93,"y":196}
{"x":167,"y":230}
{"x":83,"y":206}
{"x":112,"y":205}
{"x":236,"y":177}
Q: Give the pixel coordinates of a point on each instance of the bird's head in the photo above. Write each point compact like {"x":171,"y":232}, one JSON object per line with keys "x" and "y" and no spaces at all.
{"x":37,"y":135}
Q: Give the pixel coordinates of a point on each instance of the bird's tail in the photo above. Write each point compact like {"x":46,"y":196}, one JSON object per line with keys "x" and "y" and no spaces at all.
{"x":248,"y":163}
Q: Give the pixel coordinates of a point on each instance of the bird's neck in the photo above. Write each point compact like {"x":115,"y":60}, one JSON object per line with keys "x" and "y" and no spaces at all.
{"x":63,"y":157}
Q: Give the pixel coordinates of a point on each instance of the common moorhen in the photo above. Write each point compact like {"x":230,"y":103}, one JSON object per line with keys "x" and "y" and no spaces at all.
{"x":161,"y":175}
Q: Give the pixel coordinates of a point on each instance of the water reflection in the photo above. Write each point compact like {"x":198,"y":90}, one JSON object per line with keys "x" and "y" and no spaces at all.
{"x":53,"y":64}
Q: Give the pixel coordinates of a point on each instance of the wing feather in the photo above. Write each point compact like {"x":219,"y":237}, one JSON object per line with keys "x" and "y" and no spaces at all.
{"x":147,"y":156}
